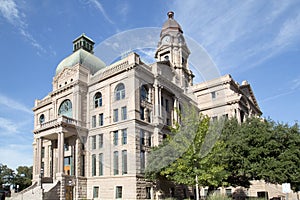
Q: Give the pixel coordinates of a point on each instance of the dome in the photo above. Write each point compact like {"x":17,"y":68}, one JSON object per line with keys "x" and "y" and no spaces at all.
{"x":171,"y":24}
{"x":83,"y":57}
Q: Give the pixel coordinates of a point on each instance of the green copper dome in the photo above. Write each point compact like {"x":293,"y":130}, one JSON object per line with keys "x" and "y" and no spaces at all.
{"x":84,"y":58}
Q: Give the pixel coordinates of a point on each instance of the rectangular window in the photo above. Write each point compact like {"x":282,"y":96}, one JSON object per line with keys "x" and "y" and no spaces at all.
{"x":142,"y":161}
{"x":93,"y":142}
{"x":124,"y":113}
{"x":43,"y":152}
{"x":96,"y":192}
{"x":213,"y":95}
{"x":149,"y":140}
{"x":100,"y":164}
{"x":67,"y":161}
{"x":116,"y":163}
{"x":215,"y":118}
{"x":101,"y":119}
{"x":93,"y":165}
{"x":119,"y":192}
{"x":162,"y":101}
{"x":124,"y":136}
{"x":229,"y":192}
{"x":148,"y":192}
{"x":167,"y":105}
{"x":142,"y":137}
{"x":124,"y":162}
{"x":115,"y":138}
{"x":100,"y":136}
{"x":142,"y":113}
{"x":116,"y":116}
{"x":94,"y":121}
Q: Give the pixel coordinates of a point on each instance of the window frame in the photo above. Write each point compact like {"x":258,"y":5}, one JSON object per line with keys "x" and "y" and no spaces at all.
{"x":116,"y":163}
{"x":124,"y":113}
{"x":124,"y":162}
{"x":124,"y":136}
{"x":101,"y":119}
{"x":119,"y":92}
{"x":98,"y":100}
{"x":100,"y":164}
{"x":116,"y":115}
{"x":94,"y":165}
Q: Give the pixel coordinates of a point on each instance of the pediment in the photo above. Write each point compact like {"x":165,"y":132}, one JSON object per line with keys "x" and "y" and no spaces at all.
{"x":66,"y":73}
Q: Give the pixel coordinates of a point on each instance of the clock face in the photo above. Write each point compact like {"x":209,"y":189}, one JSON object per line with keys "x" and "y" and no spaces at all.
{"x":166,"y":39}
{"x":65,"y":108}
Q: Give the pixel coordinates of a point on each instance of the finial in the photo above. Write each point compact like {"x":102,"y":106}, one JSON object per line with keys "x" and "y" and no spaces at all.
{"x":171,"y":14}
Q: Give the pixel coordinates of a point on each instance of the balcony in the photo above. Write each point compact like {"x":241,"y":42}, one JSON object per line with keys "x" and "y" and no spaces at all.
{"x":60,"y":121}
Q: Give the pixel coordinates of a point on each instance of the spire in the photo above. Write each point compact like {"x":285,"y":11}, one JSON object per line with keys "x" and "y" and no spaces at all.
{"x":171,"y":25}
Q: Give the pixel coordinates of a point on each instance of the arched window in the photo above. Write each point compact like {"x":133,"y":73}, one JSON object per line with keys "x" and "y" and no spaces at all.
{"x":65,"y":108}
{"x":120,"y":92}
{"x":144,"y":93}
{"x":98,"y":100}
{"x":42,"y":118}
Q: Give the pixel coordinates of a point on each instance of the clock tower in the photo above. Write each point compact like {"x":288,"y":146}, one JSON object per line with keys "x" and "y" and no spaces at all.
{"x":173,"y":48}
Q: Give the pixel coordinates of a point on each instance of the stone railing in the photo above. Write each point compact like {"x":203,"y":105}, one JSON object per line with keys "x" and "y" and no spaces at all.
{"x":60,"y":120}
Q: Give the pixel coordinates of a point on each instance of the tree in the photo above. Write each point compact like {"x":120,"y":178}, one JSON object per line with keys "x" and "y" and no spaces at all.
{"x":192,"y":149}
{"x":262,"y":150}
{"x":23,"y":177}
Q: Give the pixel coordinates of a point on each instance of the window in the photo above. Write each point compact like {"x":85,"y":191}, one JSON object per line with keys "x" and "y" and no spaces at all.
{"x":96,"y":192}
{"x":67,"y":160}
{"x":215,"y":118}
{"x":101,"y":119}
{"x":124,"y":162}
{"x":93,"y":165}
{"x":142,"y":137}
{"x":124,"y":136}
{"x":144,"y":94}
{"x":148,"y":192}
{"x":97,"y":100}
{"x":149,"y":140}
{"x":65,"y":108}
{"x":100,"y":140}
{"x":93,"y":142}
{"x":66,"y":146}
{"x":142,"y":113}
{"x":213,"y":95}
{"x":115,"y":117}
{"x":167,"y":105}
{"x":116,"y":163}
{"x":142,"y":161}
{"x":100,"y":164}
{"x":228,"y":192}
{"x":42,"y":118}
{"x":94,"y":121}
{"x":115,"y":138}
{"x":43,"y":152}
{"x":120,"y":92}
{"x":124,"y":113}
{"x":119,"y":192}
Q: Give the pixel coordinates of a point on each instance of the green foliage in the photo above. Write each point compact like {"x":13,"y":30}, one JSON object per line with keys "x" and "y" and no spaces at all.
{"x":262,"y":150}
{"x":191,"y":149}
{"x":22,"y":178}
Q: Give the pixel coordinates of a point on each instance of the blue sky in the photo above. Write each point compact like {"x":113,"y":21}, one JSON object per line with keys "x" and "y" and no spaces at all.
{"x":255,"y":40}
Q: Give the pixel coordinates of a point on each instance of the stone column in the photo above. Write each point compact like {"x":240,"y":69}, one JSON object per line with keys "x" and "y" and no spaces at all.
{"x":61,"y":152}
{"x":159,"y":97}
{"x":156,"y":100}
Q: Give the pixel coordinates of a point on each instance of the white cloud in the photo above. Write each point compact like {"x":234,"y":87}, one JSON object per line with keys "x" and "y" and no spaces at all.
{"x":16,"y":155}
{"x":12,"y":104}
{"x":236,"y":33}
{"x":10,"y":11}
{"x":8,"y":126}
{"x":99,"y":6}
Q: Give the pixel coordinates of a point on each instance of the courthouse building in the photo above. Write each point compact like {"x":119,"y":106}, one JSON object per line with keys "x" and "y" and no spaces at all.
{"x":93,"y":131}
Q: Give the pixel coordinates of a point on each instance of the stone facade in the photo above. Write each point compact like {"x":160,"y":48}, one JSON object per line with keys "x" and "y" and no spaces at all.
{"x":93,"y":131}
